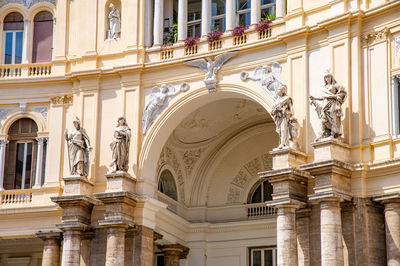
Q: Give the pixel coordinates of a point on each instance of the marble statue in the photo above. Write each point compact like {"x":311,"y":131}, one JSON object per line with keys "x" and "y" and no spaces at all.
{"x":330,"y":109}
{"x":282,"y":113}
{"x":211,"y":67}
{"x":114,"y":20}
{"x":120,"y":147}
{"x":159,"y":98}
{"x":78,"y":149}
{"x":267,"y":77}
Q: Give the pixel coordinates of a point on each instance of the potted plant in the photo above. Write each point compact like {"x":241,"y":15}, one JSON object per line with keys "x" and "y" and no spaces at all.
{"x":191,"y":41}
{"x":263,"y":25}
{"x":172,"y":35}
{"x":239,"y":30}
{"x":214,"y":36}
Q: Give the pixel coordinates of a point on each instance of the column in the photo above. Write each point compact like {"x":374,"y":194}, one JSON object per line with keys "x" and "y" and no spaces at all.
{"x":392,"y":232}
{"x":230,"y":14}
{"x":51,"y":247}
{"x":25,"y":47}
{"x":3,"y":145}
{"x":205,"y":17}
{"x":115,"y":246}
{"x":158,"y":22}
{"x":173,"y":253}
{"x":280,"y":8}
{"x":144,"y":246}
{"x":86,"y":240}
{"x":255,"y":11}
{"x":39,"y":163}
{"x":331,"y":233}
{"x":71,"y":247}
{"x":286,"y":235}
{"x":148,"y":38}
{"x":54,"y":39}
{"x":182,"y":19}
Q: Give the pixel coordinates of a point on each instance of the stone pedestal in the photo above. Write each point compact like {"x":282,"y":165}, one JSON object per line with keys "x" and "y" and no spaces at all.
{"x":144,"y":246}
{"x":287,"y":157}
{"x":173,"y":253}
{"x":77,"y":185}
{"x":331,"y":149}
{"x":51,"y":247}
{"x":120,"y":181}
{"x":392,"y":227}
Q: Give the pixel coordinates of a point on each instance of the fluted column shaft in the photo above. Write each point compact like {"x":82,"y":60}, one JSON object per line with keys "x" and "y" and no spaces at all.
{"x":182,"y":19}
{"x":331,"y":233}
{"x":25,"y":49}
{"x":39,"y":163}
{"x":158,"y":21}
{"x":286,"y":236}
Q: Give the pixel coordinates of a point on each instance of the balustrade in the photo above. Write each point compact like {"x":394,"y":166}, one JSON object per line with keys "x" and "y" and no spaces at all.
{"x":15,"y":196}
{"x":25,"y":70}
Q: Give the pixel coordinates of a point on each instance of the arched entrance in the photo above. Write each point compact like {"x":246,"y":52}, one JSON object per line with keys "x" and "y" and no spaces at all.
{"x":220,"y":106}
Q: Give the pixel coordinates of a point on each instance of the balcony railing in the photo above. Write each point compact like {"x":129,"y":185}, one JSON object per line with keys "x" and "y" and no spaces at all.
{"x":256,"y":210}
{"x":25,"y":70}
{"x":15,"y":197}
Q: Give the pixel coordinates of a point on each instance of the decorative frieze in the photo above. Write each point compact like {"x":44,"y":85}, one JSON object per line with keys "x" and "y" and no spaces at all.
{"x":60,"y":100}
{"x":375,"y":37}
{"x":27,"y":3}
{"x":42,"y":110}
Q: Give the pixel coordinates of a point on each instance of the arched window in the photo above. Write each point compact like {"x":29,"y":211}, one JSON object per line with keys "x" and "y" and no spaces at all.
{"x":261,"y":193}
{"x":42,"y":37}
{"x":22,"y":155}
{"x":166,"y":184}
{"x":13,"y":27}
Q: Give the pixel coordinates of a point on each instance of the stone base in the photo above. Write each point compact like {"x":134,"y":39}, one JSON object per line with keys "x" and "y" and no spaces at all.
{"x":120,"y":181}
{"x":77,"y":185}
{"x":287,"y":157}
{"x":331,"y":149}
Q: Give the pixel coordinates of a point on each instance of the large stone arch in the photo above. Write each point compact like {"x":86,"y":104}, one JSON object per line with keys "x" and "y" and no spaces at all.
{"x":14,"y":116}
{"x":177,"y":110}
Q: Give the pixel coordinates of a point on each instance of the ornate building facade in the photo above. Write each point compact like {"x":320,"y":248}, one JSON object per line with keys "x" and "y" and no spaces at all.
{"x":199,"y":132}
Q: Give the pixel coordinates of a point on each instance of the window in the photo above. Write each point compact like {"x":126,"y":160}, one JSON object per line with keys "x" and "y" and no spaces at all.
{"x":243,"y":12}
{"x":263,"y":256}
{"x":13,"y":38}
{"x":268,"y":9}
{"x":396,"y":104}
{"x":21,"y":155}
{"x":218,"y":15}
{"x":261,"y":193}
{"x":166,"y":184}
{"x":194,"y":18}
{"x":42,"y":37}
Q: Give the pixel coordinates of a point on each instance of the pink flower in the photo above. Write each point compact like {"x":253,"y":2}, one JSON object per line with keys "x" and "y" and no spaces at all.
{"x":239,"y":30}
{"x":191,"y":41}
{"x":214,"y":36}
{"x":263,"y":25}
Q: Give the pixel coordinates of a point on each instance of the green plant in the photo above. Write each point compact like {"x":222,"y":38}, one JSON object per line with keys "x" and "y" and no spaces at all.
{"x":172,"y":34}
{"x":268,"y":16}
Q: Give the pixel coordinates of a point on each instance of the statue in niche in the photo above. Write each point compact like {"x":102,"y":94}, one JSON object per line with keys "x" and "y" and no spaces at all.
{"x":78,"y":149}
{"x":114,"y":20}
{"x":159,"y":98}
{"x":120,"y":147}
{"x":286,"y":124}
{"x":330,"y":110}
{"x":211,"y":67}
{"x":267,"y":77}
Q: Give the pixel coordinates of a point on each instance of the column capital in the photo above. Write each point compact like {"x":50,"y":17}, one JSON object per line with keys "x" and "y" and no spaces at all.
{"x":41,"y":140}
{"x":388,"y":198}
{"x":175,"y":249}
{"x":4,"y":142}
{"x":49,"y":235}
